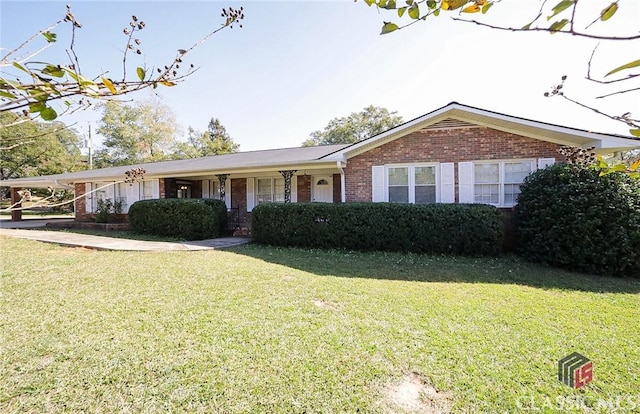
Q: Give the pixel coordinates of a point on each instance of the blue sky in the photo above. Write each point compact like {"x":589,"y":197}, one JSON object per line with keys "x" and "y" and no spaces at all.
{"x":296,"y":65}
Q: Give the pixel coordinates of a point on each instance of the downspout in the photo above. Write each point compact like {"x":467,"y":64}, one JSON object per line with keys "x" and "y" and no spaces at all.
{"x":343,"y":194}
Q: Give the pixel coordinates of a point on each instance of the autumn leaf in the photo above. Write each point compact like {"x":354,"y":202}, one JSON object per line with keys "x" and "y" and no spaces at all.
{"x":453,"y":4}
{"x":109,"y":85}
{"x":474,"y":8}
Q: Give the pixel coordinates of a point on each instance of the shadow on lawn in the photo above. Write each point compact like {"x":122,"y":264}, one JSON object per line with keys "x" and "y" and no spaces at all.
{"x":424,"y":268}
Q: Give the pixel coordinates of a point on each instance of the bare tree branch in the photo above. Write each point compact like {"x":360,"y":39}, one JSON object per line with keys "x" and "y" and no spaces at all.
{"x":548,"y":30}
{"x":5,"y":58}
{"x":618,"y":92}
{"x":10,"y":147}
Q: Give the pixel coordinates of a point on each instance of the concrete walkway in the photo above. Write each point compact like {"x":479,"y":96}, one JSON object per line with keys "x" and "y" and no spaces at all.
{"x":31,"y":222}
{"x":112,"y":243}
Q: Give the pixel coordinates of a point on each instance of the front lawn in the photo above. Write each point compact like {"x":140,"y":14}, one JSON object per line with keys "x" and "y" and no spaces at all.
{"x":262,"y":329}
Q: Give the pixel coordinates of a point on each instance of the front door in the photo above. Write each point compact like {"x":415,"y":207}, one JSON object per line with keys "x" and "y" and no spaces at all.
{"x":322,"y":191}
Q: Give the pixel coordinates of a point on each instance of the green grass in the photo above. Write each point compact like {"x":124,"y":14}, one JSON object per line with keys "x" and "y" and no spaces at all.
{"x":240,"y":331}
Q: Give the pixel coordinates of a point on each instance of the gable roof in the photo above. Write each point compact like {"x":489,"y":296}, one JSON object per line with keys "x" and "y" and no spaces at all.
{"x":269,"y":160}
{"x":456,"y":115}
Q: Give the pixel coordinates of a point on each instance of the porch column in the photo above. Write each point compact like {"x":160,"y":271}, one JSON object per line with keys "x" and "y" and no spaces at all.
{"x":287,"y":174}
{"x":223,"y":189}
{"x":16,"y":197}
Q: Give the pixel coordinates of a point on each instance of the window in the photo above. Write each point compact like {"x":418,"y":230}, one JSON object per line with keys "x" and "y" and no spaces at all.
{"x":425,"y":185}
{"x":215,"y":189}
{"x":99,"y":193}
{"x":499,"y":182}
{"x":146,"y":190}
{"x":121,"y":195}
{"x":399,"y":185}
{"x":514,"y":175}
{"x":412,"y":184}
{"x":487,"y":183}
{"x":270,"y":190}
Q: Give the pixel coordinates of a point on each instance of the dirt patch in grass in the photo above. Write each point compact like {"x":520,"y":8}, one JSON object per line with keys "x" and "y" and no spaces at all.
{"x":324,"y":304}
{"x":414,"y":395}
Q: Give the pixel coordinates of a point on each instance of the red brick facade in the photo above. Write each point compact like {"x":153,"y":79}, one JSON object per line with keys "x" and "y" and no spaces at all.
{"x":16,"y":215}
{"x":162,"y":188}
{"x":337,"y":188}
{"x":81,"y":202}
{"x":445,"y":145}
{"x":451,"y":145}
{"x":239,"y":199}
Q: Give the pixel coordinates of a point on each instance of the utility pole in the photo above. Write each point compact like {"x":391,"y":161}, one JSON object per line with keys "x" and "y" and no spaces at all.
{"x":90,"y":147}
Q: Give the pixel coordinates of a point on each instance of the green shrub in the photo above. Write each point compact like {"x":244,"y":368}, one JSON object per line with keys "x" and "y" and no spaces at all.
{"x":436,"y":228}
{"x":107,"y":210}
{"x":190,"y":219}
{"x":572,"y":218}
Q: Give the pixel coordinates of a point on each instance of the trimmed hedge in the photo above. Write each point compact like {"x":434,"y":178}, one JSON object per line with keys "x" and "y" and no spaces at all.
{"x":572,"y":218}
{"x":466,"y":229}
{"x":190,"y":219}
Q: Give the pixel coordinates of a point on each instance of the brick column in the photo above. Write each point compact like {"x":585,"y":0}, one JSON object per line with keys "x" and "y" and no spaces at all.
{"x":80,"y":207}
{"x":16,"y":215}
{"x":161,"y":189}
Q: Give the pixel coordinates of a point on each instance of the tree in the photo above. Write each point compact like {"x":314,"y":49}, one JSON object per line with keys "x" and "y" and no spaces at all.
{"x":215,"y":141}
{"x":143,"y":132}
{"x":219,"y":140}
{"x":564,"y":17}
{"x":371,"y":121}
{"x":64,"y":84}
{"x":35,"y":148}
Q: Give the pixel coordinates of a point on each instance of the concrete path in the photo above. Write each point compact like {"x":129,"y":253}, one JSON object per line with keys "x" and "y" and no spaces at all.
{"x":111,"y":243}
{"x":31,"y":223}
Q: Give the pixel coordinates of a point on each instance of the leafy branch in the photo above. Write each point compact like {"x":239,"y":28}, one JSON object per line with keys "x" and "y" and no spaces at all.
{"x":50,"y":83}
{"x":560,"y":19}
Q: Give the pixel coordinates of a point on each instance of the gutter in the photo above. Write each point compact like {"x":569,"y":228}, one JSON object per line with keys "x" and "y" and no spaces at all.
{"x":67,"y":186}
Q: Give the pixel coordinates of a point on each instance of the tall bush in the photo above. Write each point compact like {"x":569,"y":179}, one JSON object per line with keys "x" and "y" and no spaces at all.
{"x":569,"y":216}
{"x":437,"y":228}
{"x":189,"y":219}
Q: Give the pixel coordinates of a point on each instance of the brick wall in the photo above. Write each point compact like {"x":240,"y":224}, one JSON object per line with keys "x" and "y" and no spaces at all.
{"x":169,"y":189}
{"x":239,"y":199}
{"x":304,"y":189}
{"x":446,"y":145}
{"x":337,"y":188}
{"x":196,"y":189}
{"x":162,"y":187}
{"x":81,"y":203}
{"x":16,"y":215}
